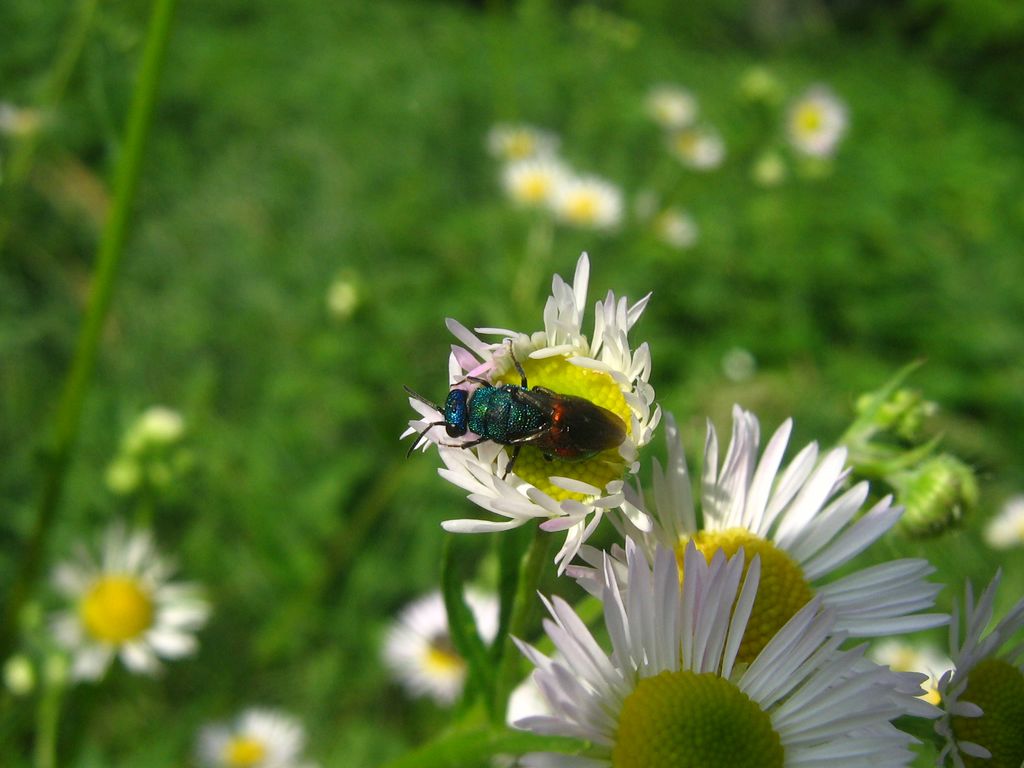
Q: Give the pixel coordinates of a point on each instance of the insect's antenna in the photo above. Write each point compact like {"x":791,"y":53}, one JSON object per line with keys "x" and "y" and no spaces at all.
{"x":420,"y":437}
{"x":422,"y":399}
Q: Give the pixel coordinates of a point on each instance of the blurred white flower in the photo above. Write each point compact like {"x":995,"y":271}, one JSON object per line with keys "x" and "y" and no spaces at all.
{"x":1006,"y":530}
{"x":676,"y":228}
{"x":587,"y":201}
{"x":700,"y":148}
{"x":419,"y":651}
{"x":671,"y":106}
{"x":123,"y":604}
{"x":570,"y":494}
{"x":532,"y":182}
{"x":816,"y":122}
{"x":509,"y":142}
{"x":257,"y":738}
{"x":904,"y":657}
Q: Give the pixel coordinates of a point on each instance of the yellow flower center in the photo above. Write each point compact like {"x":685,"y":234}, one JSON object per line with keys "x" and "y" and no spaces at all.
{"x":441,"y":658}
{"x":534,"y":188}
{"x":582,"y":208}
{"x":520,"y":145}
{"x":810,"y":118}
{"x":998,"y":688}
{"x":561,"y":376}
{"x":781,"y":592}
{"x":116,"y":609}
{"x":688,"y":720}
{"x":686,"y":143}
{"x":244,"y":752}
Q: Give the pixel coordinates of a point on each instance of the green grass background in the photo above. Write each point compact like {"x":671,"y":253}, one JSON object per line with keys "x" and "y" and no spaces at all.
{"x":294,"y":142}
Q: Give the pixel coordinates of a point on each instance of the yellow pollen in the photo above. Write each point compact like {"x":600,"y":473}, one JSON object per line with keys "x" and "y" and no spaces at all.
{"x":116,"y":609}
{"x":244,"y":752}
{"x":998,"y":688}
{"x":809,"y":118}
{"x":559,"y":375}
{"x":781,"y":592}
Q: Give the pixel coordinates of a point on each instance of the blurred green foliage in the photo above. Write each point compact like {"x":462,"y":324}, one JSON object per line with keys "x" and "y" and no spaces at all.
{"x":296,"y":142}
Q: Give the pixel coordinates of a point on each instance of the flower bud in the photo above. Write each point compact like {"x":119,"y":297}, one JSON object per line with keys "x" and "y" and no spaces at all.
{"x":937,"y":494}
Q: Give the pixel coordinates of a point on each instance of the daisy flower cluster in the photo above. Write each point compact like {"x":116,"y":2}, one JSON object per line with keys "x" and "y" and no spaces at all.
{"x":738,"y":628}
{"x":535,"y":176}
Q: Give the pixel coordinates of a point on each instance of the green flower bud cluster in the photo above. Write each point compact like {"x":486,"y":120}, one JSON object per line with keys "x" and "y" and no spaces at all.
{"x":887,"y":444}
{"x":151,"y":456}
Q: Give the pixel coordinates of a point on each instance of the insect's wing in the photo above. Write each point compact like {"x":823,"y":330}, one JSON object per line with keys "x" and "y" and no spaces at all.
{"x":588,"y":426}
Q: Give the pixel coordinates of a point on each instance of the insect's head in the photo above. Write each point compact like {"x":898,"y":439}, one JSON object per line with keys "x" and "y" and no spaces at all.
{"x":456,"y":413}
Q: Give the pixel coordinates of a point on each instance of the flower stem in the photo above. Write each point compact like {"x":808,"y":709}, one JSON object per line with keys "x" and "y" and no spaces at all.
{"x":47,"y":719}
{"x":539,"y":242}
{"x":56,"y":456}
{"x":523,"y":608}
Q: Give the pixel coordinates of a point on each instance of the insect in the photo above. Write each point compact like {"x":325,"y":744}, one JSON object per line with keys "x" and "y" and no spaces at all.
{"x":564,"y":426}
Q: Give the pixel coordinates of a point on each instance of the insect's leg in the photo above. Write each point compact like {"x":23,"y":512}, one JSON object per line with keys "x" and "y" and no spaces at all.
{"x":512,"y":461}
{"x":470,"y":444}
{"x":419,"y":438}
{"x":474,"y":379}
{"x":522,"y":373}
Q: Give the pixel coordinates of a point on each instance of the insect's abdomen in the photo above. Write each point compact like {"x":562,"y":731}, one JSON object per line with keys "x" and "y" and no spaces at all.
{"x":494,"y":413}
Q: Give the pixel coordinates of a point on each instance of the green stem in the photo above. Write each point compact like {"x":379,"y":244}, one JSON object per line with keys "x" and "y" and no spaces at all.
{"x":539,"y":242}
{"x":57,"y":455}
{"x":47,"y":718}
{"x":509,"y":669}
{"x":63,"y":66}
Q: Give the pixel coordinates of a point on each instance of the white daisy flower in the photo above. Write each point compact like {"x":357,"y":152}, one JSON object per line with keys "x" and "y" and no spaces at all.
{"x":671,"y":107}
{"x":531,"y":182}
{"x":570,"y":493}
{"x":257,"y":738}
{"x":124,"y":605}
{"x":700,"y":148}
{"x":800,"y":521}
{"x":509,"y":142}
{"x":816,"y":122}
{"x":674,"y":683}
{"x":1006,"y":530}
{"x":904,"y":657}
{"x":587,"y":201}
{"x":418,"y":649}
{"x":982,"y":697}
{"x":676,"y":228}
